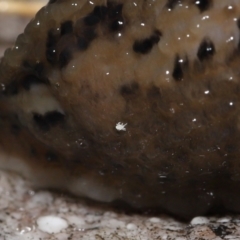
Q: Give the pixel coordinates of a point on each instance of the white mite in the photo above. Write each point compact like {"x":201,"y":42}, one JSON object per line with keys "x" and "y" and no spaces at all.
{"x":121,"y":126}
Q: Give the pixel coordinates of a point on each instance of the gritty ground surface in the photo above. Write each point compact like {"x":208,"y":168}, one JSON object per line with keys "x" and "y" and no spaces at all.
{"x":24,"y":214}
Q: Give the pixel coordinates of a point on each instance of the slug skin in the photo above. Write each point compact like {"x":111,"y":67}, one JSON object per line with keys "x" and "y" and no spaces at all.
{"x":134,"y":101}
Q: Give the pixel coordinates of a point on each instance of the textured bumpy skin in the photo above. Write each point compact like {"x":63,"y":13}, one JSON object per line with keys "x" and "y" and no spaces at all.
{"x":135,"y":101}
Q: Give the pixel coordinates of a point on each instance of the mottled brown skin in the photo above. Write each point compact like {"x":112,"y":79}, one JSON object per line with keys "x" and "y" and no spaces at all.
{"x":180,"y":151}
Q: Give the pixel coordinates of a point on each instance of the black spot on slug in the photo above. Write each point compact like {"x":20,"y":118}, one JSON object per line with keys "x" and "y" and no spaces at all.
{"x":114,"y":9}
{"x":99,"y":13}
{"x":65,"y":57}
{"x":48,"y":120}
{"x":51,"y":43}
{"x":238,"y":23}
{"x":15,"y":129}
{"x":54,"y":117}
{"x":118,"y":166}
{"x":154,"y":92}
{"x":35,"y":74}
{"x":155,"y":38}
{"x":171,"y":4}
{"x":30,"y":80}
{"x":144,"y":46}
{"x":116,"y":25}
{"x":52,"y":1}
{"x":82,"y":43}
{"x":37,"y":69}
{"x":91,"y":20}
{"x":85,"y":38}
{"x":129,"y":89}
{"x":12,"y":88}
{"x":40,"y":121}
{"x":33,"y":151}
{"x":51,"y":156}
{"x":66,"y":27}
{"x":115,"y":17}
{"x":206,"y":50}
{"x":177,"y":71}
{"x":203,"y":5}
{"x":89,"y":34}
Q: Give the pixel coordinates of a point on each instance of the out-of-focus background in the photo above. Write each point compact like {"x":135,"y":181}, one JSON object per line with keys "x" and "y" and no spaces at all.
{"x":14,"y":16}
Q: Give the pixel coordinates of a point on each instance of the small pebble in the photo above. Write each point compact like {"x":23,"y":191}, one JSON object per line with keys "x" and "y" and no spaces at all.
{"x":51,"y":224}
{"x":131,"y":226}
{"x":223,"y":220}
{"x":199,"y":220}
{"x":154,"y":220}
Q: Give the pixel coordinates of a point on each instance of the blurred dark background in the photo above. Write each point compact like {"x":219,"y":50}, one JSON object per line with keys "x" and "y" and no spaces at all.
{"x":14,"y":16}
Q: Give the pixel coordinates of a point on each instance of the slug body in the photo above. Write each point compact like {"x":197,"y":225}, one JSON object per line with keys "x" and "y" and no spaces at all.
{"x":135,"y":101}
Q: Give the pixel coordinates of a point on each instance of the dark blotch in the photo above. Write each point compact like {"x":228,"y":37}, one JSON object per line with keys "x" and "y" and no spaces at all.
{"x":171,"y":4}
{"x":54,"y":117}
{"x":51,"y":44}
{"x":144,"y":46}
{"x":89,"y":34}
{"x":91,"y":20}
{"x":51,"y":156}
{"x":129,"y":89}
{"x":12,"y":88}
{"x":52,"y":1}
{"x":99,"y":13}
{"x":238,"y":23}
{"x":35,"y":74}
{"x":177,"y":71}
{"x":154,"y":92}
{"x":66,"y":27}
{"x":206,"y":50}
{"x":40,"y":121}
{"x":65,"y":57}
{"x":116,"y":25}
{"x":85,"y":38}
{"x":48,"y":120}
{"x":115,"y":17}
{"x":118,"y":166}
{"x":203,"y":5}
{"x":30,"y":80}
{"x":37,"y":69}
{"x":155,"y":38}
{"x":82,"y":43}
{"x":33,"y":151}
{"x":15,"y":129}
{"x":114,"y":10}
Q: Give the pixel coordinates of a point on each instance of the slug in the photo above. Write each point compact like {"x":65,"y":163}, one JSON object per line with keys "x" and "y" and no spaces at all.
{"x":132,"y":101}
